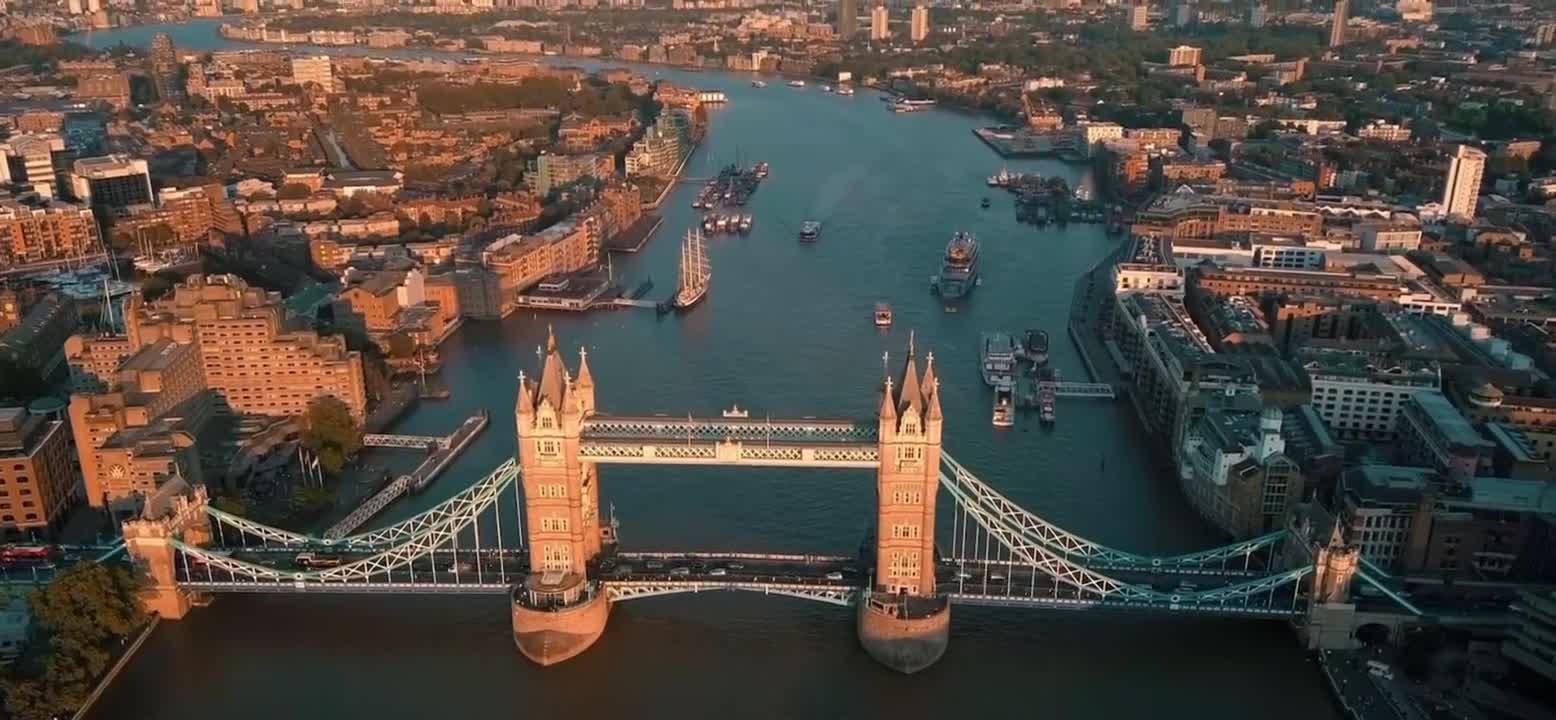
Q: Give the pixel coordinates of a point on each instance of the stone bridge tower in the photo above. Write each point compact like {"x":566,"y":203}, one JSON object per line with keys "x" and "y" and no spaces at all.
{"x":1331,"y":621}
{"x":174,"y":513}
{"x":904,"y":623}
{"x":559,"y":610}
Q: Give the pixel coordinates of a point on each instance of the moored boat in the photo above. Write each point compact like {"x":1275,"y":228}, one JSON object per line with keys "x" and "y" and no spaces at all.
{"x":796,"y":83}
{"x":1004,"y":407}
{"x":695,"y":271}
{"x":1036,"y":346}
{"x":998,"y":360}
{"x":758,"y":84}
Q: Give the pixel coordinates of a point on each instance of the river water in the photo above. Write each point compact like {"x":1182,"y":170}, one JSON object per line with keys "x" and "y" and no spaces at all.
{"x":785,"y":331}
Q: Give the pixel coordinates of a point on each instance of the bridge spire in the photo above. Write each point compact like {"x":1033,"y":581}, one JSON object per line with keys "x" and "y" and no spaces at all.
{"x":888,"y":406}
{"x":553,"y":375}
{"x":911,"y":396}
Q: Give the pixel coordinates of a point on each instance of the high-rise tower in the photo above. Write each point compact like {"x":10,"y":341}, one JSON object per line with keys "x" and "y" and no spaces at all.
{"x":1342,"y":15}
{"x":847,"y":18}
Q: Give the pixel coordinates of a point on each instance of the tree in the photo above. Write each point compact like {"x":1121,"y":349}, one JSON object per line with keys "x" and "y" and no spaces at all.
{"x":80,"y":614}
{"x":331,"y":433}
{"x":160,"y":283}
{"x":400,"y":345}
{"x":231,"y":504}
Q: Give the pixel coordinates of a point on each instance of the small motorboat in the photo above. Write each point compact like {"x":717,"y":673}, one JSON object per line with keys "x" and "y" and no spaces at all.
{"x":882,"y":315}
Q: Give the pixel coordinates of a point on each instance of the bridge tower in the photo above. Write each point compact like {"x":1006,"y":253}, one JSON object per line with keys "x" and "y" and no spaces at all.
{"x":174,"y":513}
{"x":1331,"y":621}
{"x":904,"y":623}
{"x":558,"y":610}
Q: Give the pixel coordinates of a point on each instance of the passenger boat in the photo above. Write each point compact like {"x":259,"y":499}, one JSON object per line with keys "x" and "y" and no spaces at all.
{"x":1037,"y":346}
{"x":959,"y":273}
{"x":695,"y":271}
{"x":810,"y":231}
{"x":758,"y":84}
{"x":998,"y":360}
{"x":1047,"y":396}
{"x":1004,"y":407}
{"x":734,"y":411}
{"x":882,"y":315}
{"x":905,"y":105}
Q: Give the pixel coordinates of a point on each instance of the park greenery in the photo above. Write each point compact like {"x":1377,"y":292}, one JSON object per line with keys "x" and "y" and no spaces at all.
{"x":331,"y":433}
{"x":82,"y":619}
{"x":547,"y":93}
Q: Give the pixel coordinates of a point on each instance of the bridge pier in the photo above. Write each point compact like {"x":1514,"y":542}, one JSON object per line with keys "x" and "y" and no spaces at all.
{"x":556,"y":623}
{"x":906,"y":634}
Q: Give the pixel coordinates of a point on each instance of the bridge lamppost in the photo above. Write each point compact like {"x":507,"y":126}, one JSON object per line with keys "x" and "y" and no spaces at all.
{"x":904,"y":621}
{"x":558,"y":610}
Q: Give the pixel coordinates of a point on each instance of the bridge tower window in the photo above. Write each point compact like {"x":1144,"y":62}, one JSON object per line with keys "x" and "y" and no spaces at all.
{"x":553,"y":524}
{"x":557,"y":557}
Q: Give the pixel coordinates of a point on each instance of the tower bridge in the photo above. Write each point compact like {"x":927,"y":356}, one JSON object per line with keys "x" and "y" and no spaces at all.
{"x":566,"y":570}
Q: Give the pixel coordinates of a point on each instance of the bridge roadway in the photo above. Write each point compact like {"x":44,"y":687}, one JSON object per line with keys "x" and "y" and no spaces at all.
{"x":826,"y":578}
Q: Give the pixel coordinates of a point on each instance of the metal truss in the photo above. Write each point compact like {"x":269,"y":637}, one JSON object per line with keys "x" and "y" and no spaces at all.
{"x":1095,"y":587}
{"x":1076,"y":548}
{"x":385,"y":537}
{"x":1051,"y":603}
{"x":417,"y":442}
{"x":621,"y":591}
{"x":386,"y":588}
{"x":808,"y":430}
{"x":446,"y":525}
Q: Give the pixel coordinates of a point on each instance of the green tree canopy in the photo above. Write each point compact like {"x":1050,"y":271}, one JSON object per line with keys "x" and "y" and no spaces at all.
{"x":331,"y":433}
{"x":81,"y":615}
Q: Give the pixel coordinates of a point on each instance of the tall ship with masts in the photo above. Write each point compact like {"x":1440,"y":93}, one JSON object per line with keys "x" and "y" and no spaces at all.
{"x":695,"y":271}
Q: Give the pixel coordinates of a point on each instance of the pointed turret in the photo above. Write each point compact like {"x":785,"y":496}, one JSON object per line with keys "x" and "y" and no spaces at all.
{"x":1336,"y":535}
{"x":932,"y":400}
{"x":553,"y":375}
{"x":911,"y":395}
{"x":526,"y":401}
{"x":585,"y":379}
{"x":930,"y":382}
{"x":888,"y":406}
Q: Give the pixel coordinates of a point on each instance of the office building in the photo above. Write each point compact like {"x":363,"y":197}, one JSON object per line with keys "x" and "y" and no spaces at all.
{"x":847,"y":18}
{"x":38,"y":160}
{"x":1140,"y":16}
{"x":1342,"y":15}
{"x":36,"y":343}
{"x":315,"y":70}
{"x":253,"y":358}
{"x":1533,"y":643}
{"x":1235,"y":473}
{"x":1183,"y":14}
{"x":1433,"y":433}
{"x":46,"y":231}
{"x":1257,"y":14}
{"x":36,"y":475}
{"x":1361,"y":396}
{"x":880,"y":18}
{"x":551,"y":171}
{"x":112,"y":181}
{"x":1461,"y":189}
{"x":521,"y":261}
{"x":920,"y":25}
{"x":1184,"y":56}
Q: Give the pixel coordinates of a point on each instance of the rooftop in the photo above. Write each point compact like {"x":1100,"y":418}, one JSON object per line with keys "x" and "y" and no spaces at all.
{"x":156,"y":356}
{"x":1455,"y":429}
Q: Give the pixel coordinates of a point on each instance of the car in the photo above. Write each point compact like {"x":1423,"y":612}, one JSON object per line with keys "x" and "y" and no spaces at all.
{"x":622,"y":571}
{"x":699,"y":566}
{"x":654,"y":565}
{"x":963,"y":575}
{"x":680,"y":571}
{"x":834,"y":575}
{"x":736,"y":566}
{"x":996,"y":577}
{"x":718,"y":572}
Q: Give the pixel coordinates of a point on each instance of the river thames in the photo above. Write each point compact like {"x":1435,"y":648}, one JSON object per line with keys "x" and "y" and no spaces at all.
{"x":786,"y":331}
